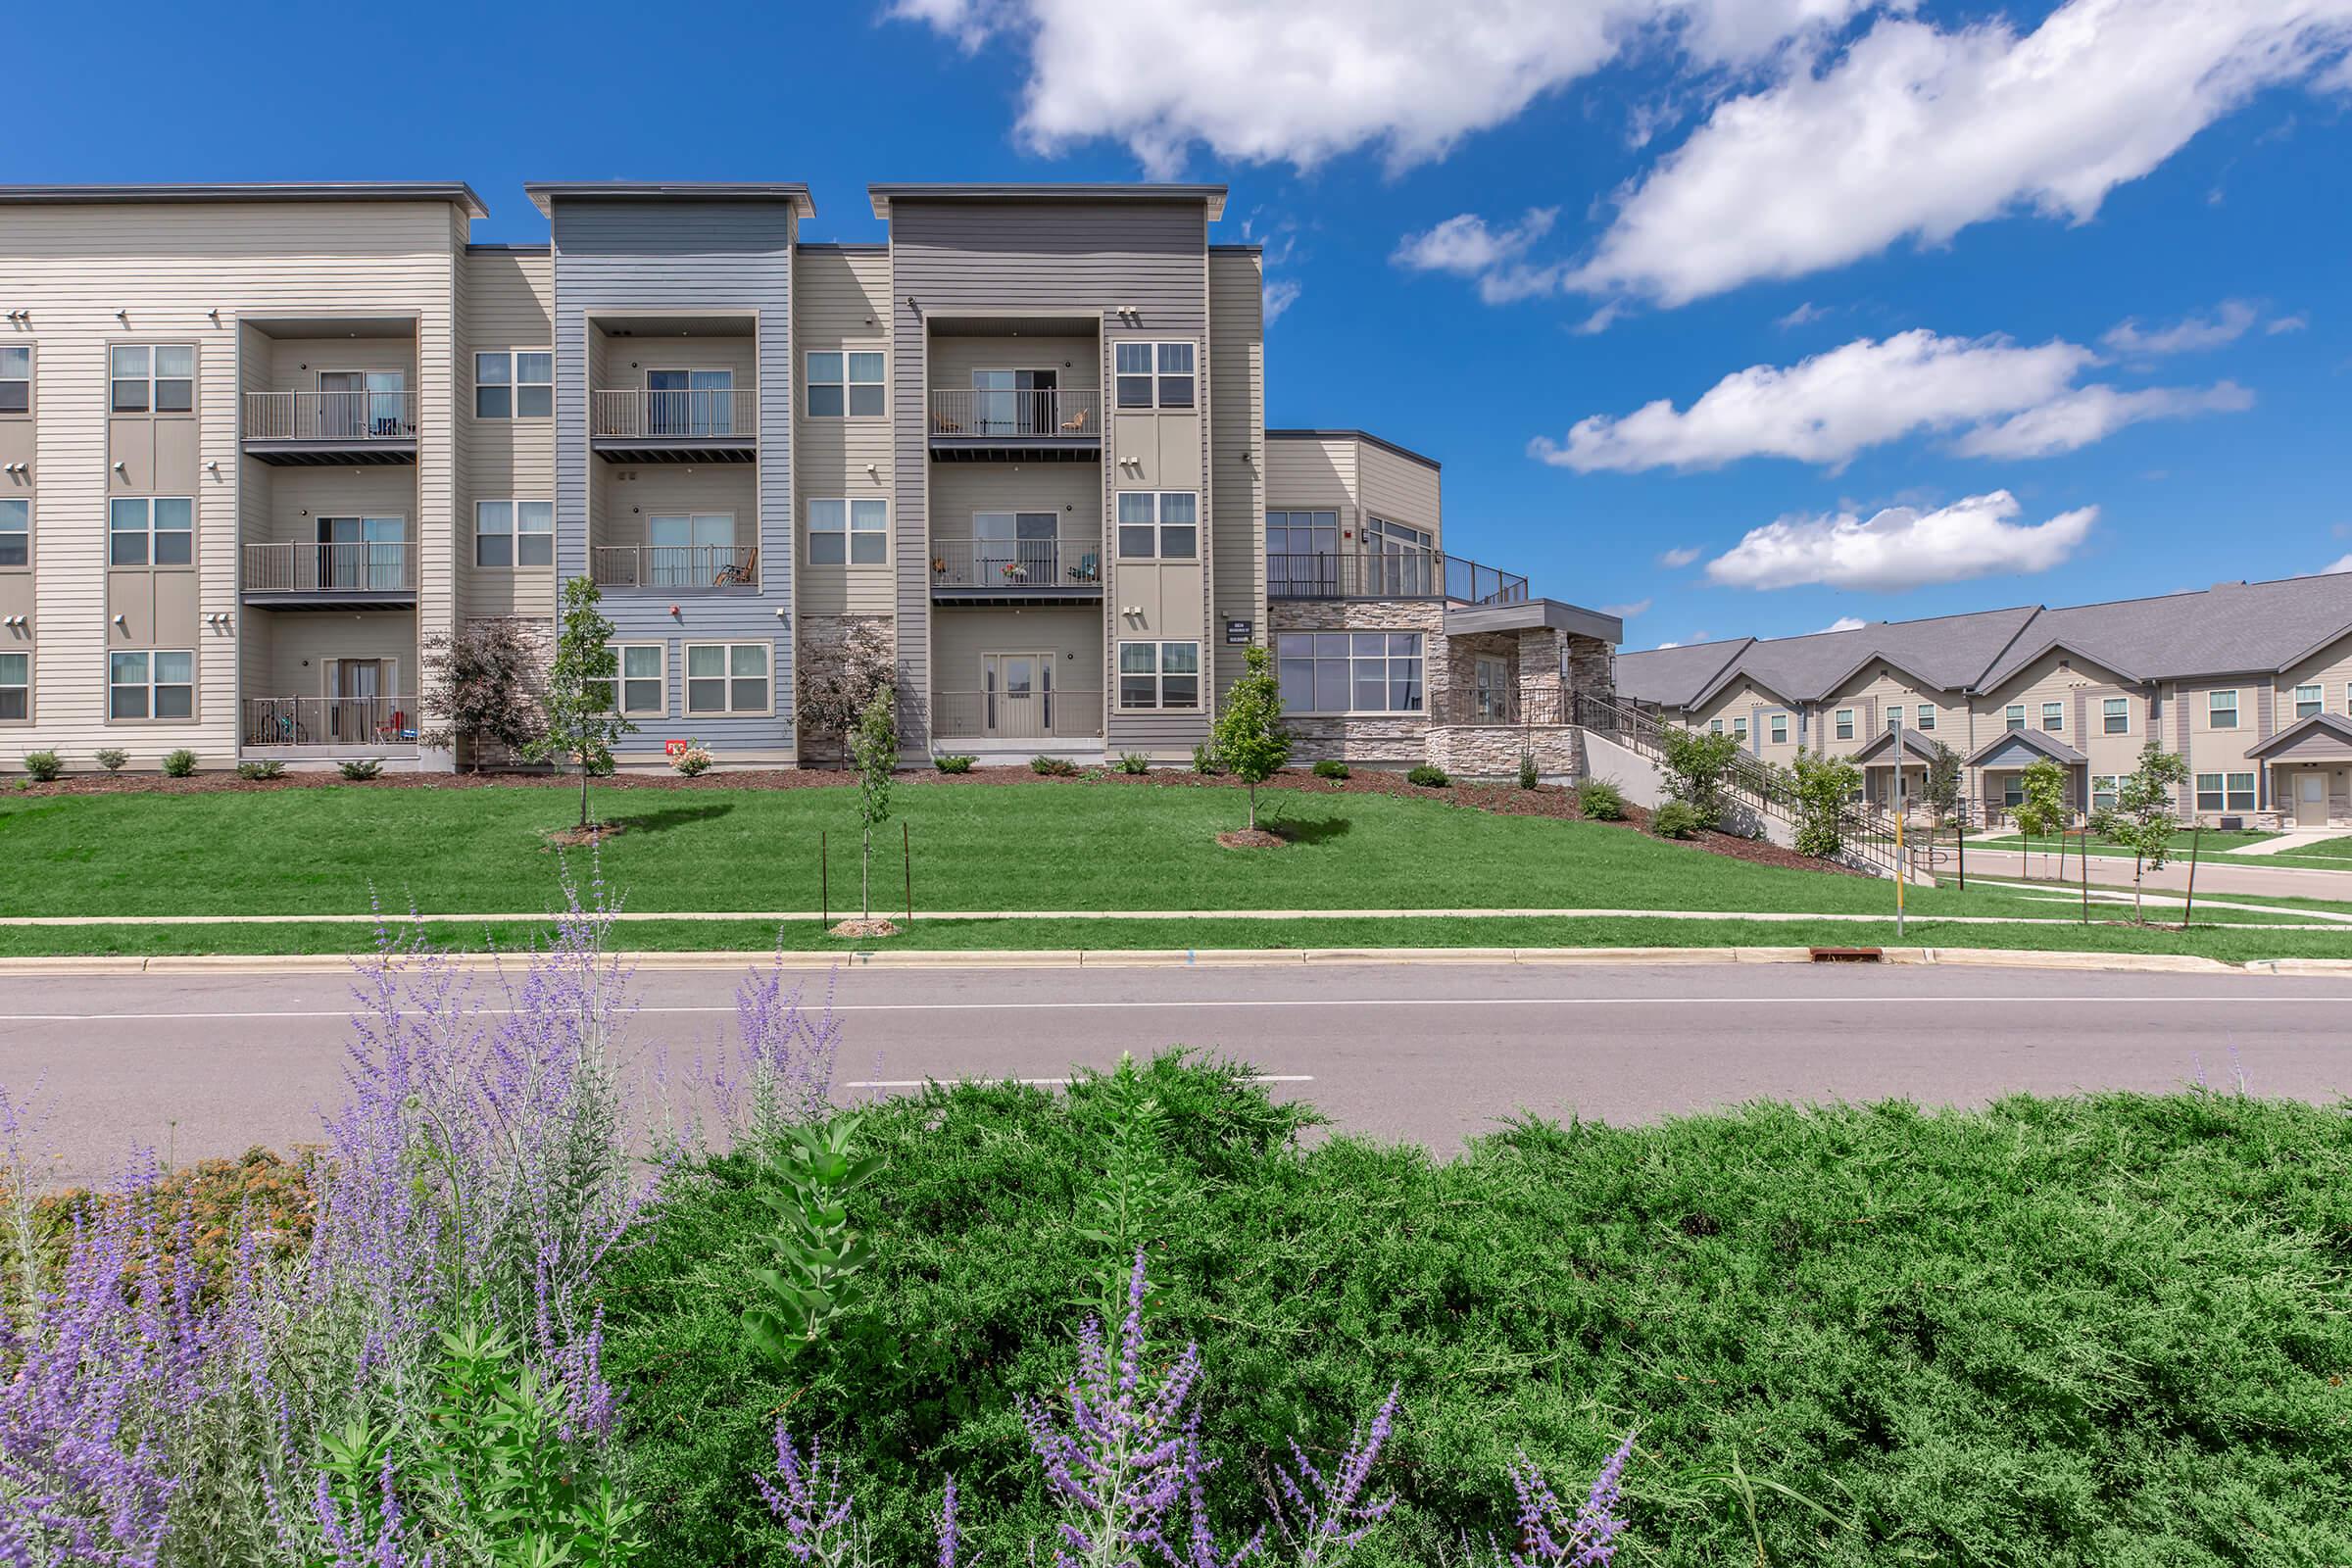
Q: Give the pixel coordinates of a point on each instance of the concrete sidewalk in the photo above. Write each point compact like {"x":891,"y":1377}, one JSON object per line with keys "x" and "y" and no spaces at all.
{"x":2292,"y":840}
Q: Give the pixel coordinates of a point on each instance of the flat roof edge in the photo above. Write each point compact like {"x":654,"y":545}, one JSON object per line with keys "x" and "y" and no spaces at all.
{"x":544,"y":193}
{"x":883,"y":194}
{"x":1381,"y":441}
{"x":349,"y":190}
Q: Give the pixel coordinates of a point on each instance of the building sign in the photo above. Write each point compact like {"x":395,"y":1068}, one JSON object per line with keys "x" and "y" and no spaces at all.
{"x":1236,"y":631}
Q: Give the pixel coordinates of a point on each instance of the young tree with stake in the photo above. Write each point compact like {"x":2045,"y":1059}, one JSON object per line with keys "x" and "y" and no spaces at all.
{"x":874,"y":746}
{"x":2142,"y":818}
{"x":583,"y":719}
{"x":2043,"y":808}
{"x":1250,"y":735}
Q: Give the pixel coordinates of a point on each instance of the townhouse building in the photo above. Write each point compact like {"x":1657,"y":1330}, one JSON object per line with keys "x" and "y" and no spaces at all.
{"x":267,"y":445}
{"x":2250,"y":682}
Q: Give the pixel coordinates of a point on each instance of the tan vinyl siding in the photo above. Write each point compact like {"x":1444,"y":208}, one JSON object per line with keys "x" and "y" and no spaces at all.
{"x":510,"y":305}
{"x":960,"y":636}
{"x":630,"y":495}
{"x":1238,"y":458}
{"x":1397,"y":489}
{"x":841,"y":304}
{"x":294,"y":648}
{"x":165,"y":267}
{"x":1070,"y":490}
{"x":1316,"y":473}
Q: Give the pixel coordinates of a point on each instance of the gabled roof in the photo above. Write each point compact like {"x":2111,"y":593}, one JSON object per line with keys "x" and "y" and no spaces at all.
{"x":1668,"y":677}
{"x":544,"y":194}
{"x":1915,"y":743}
{"x":2049,"y":746}
{"x":2336,"y":725}
{"x":882,"y":195}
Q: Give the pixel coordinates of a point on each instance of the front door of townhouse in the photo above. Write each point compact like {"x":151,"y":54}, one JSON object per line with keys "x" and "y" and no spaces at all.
{"x":2311,"y":798}
{"x":1016,"y":695}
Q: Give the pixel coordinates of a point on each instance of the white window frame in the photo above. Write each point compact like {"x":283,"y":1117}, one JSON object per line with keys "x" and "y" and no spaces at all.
{"x":147,"y":533}
{"x":2104,"y":790}
{"x":1924,"y":719}
{"x":1159,"y":675}
{"x":1157,"y":523}
{"x":845,"y":529}
{"x":1893,"y":717}
{"x":150,"y":379}
{"x":514,"y":533}
{"x":1414,"y":652}
{"x":514,"y":385}
{"x":23,"y":688}
{"x":9,"y":506}
{"x":2013,"y":717}
{"x":1158,"y":376}
{"x":2318,"y":700}
{"x":148,"y":686}
{"x":2115,"y":716}
{"x":1780,"y":729}
{"x":728,"y":679}
{"x":1843,"y":724}
{"x":26,"y":381}
{"x":1740,"y":726}
{"x":2054,"y":718}
{"x":1714,"y":726}
{"x":2213,"y":708}
{"x":621,"y":679}
{"x":846,"y":384}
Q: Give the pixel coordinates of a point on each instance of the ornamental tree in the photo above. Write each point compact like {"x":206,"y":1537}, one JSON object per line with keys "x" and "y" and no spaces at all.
{"x":2044,"y":807}
{"x":1943,"y":787}
{"x":1250,"y":739}
{"x":582,"y":717}
{"x":477,"y":685}
{"x":874,"y":747}
{"x":2144,"y":818}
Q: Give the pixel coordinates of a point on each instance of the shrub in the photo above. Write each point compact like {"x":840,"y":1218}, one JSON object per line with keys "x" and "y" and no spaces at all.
{"x":694,"y":761}
{"x":478,"y":683}
{"x":1695,"y":765}
{"x":44,"y":766}
{"x":360,"y":769}
{"x":1207,"y":760}
{"x":180,"y":763}
{"x":1528,"y":776}
{"x":1134,"y":762}
{"x":1429,"y":776}
{"x":111,"y":758}
{"x":1053,"y":766}
{"x":1600,"y":800}
{"x":1823,"y":786}
{"x":1330,"y":767}
{"x":952,"y":763}
{"x":1675,"y":819}
{"x":254,"y":772}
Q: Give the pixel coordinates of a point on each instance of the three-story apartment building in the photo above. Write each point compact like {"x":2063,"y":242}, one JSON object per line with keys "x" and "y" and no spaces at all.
{"x":266,"y":445}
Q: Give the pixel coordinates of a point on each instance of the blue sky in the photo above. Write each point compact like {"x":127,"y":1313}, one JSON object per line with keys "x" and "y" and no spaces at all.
{"x":2034,"y":305}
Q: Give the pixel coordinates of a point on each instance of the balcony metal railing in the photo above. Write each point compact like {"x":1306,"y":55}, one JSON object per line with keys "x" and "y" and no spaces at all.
{"x":1011,"y":566}
{"x":1504,"y":705}
{"x":339,"y":721}
{"x":377,"y":567}
{"x":327,"y":417}
{"x":1050,"y":414}
{"x":1039,"y":716}
{"x":1390,"y":574}
{"x":674,"y":567}
{"x":683,"y":415}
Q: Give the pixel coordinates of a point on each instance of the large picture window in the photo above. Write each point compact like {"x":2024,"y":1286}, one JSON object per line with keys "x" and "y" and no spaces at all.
{"x":158,"y":379}
{"x":726,"y":677}
{"x":160,"y":684}
{"x":1162,"y":525}
{"x":1154,"y":375}
{"x":2225,"y":792}
{"x":151,"y":531}
{"x":853,"y":532}
{"x":1159,"y":675}
{"x":1349,"y":671}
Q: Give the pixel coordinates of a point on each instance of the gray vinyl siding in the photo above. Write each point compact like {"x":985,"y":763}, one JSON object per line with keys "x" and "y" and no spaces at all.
{"x":1236,"y":363}
{"x":1053,"y":257}
{"x":508,"y":304}
{"x":841,"y":304}
{"x":618,"y":257}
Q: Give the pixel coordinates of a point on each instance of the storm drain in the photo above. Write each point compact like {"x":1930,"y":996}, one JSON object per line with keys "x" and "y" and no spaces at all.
{"x":1845,"y":954}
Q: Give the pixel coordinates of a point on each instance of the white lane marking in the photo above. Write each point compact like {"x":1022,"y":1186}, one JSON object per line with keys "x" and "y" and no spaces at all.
{"x":1056,"y":1083}
{"x":1912,"y":999}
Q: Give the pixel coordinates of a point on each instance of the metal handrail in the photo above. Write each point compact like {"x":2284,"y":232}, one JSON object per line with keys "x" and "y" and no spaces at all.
{"x":1504,"y":705}
{"x":674,"y":567}
{"x":682,"y":415}
{"x":355,"y":416}
{"x":1014,"y":565}
{"x":1062,"y":713}
{"x":1047,"y":413}
{"x":344,"y":721}
{"x":375,"y":566}
{"x":1390,"y":574}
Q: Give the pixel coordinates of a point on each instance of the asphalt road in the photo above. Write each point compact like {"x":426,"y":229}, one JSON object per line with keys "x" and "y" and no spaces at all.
{"x":213,"y":1064}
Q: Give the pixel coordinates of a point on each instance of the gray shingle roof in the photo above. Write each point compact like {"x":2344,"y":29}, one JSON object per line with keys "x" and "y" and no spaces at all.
{"x":2226,"y":630}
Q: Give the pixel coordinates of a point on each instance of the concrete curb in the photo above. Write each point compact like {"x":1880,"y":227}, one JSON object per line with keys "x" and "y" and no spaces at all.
{"x":1215,"y":957}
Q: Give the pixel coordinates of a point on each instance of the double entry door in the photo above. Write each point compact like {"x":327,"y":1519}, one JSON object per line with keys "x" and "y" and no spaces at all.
{"x":1016,"y":701}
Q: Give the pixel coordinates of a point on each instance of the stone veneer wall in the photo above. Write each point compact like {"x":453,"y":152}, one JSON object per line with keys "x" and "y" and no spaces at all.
{"x":1491,"y":751}
{"x":1399,"y":741}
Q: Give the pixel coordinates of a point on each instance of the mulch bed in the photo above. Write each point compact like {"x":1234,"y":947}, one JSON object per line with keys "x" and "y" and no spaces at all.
{"x":1502,"y":798}
{"x":580,"y":838}
{"x":1252,"y":838}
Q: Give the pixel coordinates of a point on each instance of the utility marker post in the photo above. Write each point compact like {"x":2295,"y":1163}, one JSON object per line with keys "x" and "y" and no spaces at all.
{"x":1896,"y":730}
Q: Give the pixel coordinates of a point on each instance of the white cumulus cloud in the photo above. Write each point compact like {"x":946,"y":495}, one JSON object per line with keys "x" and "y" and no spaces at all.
{"x":1307,"y":80}
{"x":1917,"y":132}
{"x":1467,"y":246}
{"x":2339,"y":563}
{"x":2189,"y":335}
{"x":2012,"y":398}
{"x":1902,"y":547}
{"x":1681,"y":556}
{"x":1625,"y":611}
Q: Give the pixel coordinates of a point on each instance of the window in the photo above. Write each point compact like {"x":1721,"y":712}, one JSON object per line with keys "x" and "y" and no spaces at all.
{"x":161,"y":379}
{"x":848,"y":385}
{"x":2309,"y":704}
{"x":2225,"y":792}
{"x":16,"y":532}
{"x":1714,"y":726}
{"x":644,"y":684}
{"x":2103,"y":788}
{"x":151,"y":531}
{"x":513,"y":533}
{"x":2209,"y":792}
{"x":1159,"y":674}
{"x":2221,"y":709}
{"x":2013,"y":790}
{"x":844,"y":532}
{"x":2115,"y":716}
{"x":151,"y":685}
{"x":514,"y":384}
{"x":726,"y":677}
{"x":1154,"y":375}
{"x":1349,"y":671}
{"x":1927,"y":716}
{"x":1739,"y":728}
{"x":16,"y":379}
{"x":1780,"y":729}
{"x":16,"y":687}
{"x":2054,"y":718}
{"x":2015,"y":719}
{"x":1163,"y":526}
{"x":1895,"y":715}
{"x":2241,"y":791}
{"x":1846,"y":723}
{"x":1303,"y":553}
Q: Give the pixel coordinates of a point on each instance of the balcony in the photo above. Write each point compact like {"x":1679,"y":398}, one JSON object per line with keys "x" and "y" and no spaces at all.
{"x":635,"y":425}
{"x":968,"y":425}
{"x":379,"y":726}
{"x":330,"y":428}
{"x":674,"y":569}
{"x":1392,"y":574}
{"x":1054,"y":715}
{"x":376,"y":574}
{"x":1015,"y":572}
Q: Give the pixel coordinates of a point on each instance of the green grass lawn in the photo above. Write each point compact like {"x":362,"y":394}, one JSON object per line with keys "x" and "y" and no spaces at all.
{"x":2052,"y":1333}
{"x":2327,"y":854}
{"x":2213,"y":842}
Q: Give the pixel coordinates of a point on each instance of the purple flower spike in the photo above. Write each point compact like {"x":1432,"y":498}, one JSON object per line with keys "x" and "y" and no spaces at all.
{"x":1325,"y":1517}
{"x":1548,"y":1536}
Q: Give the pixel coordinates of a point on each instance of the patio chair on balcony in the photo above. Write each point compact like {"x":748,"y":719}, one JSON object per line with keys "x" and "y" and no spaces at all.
{"x":1075,"y":424}
{"x":737,"y":574}
{"x":1086,"y":571}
